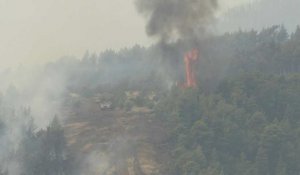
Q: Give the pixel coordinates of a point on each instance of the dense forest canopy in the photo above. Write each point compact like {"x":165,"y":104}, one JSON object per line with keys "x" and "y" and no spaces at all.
{"x":242,"y":119}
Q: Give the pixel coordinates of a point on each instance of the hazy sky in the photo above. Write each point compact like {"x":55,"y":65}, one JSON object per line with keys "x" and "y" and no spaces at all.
{"x":33,"y":31}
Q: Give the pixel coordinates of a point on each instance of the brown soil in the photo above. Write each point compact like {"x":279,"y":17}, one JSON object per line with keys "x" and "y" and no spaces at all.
{"x":124,"y":143}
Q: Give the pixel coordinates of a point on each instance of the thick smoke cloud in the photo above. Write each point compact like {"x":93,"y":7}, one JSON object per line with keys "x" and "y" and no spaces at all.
{"x":170,"y":20}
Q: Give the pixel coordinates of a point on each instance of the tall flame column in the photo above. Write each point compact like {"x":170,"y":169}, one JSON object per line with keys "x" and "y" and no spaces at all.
{"x":190,"y":59}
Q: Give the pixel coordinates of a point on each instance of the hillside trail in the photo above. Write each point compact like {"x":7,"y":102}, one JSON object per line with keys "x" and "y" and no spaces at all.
{"x":116,"y":142}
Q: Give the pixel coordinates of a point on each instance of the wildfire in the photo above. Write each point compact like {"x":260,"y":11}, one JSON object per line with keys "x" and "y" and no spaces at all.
{"x":190,"y":58}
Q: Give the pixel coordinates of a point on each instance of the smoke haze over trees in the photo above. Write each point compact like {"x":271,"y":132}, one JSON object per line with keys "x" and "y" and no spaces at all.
{"x":241,"y":119}
{"x":261,"y":14}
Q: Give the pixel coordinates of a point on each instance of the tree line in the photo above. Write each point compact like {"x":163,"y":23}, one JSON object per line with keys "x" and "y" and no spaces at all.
{"x":242,"y":119}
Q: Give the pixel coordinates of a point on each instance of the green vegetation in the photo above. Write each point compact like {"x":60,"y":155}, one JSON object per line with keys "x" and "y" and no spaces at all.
{"x":44,"y":152}
{"x":28,"y":151}
{"x":249,"y":125}
{"x":243,"y":119}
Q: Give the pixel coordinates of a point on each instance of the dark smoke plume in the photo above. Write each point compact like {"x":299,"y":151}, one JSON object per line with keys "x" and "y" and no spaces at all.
{"x":171,"y":20}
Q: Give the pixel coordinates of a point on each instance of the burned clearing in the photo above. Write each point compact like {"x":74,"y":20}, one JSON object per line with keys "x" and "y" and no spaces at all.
{"x":129,"y":140}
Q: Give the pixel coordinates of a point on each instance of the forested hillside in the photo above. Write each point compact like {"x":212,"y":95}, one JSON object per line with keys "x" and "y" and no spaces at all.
{"x":249,"y":125}
{"x":243,"y":118}
{"x":259,"y":14}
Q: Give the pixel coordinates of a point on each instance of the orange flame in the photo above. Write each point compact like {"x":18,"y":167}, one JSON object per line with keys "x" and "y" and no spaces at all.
{"x":190,"y":58}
